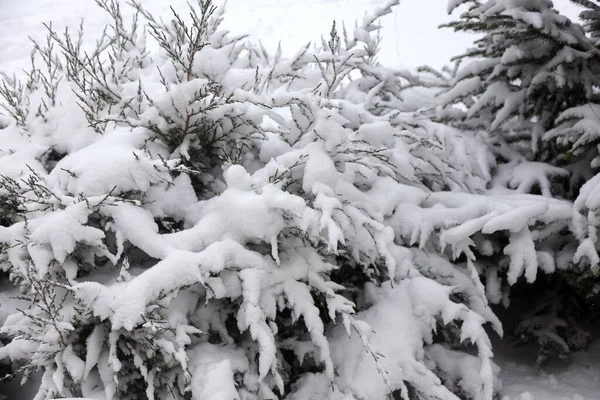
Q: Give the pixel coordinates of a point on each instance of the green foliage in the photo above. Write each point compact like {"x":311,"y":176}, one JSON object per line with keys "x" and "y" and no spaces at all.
{"x":530,"y":83}
{"x":560,"y":319}
{"x":530,"y":65}
{"x":591,"y":16}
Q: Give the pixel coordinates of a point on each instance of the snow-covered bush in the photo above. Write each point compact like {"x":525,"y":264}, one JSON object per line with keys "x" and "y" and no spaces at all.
{"x":204,"y":218}
{"x":191,"y":217}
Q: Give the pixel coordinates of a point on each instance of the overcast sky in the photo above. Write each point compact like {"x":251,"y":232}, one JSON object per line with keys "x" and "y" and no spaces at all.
{"x":419,"y":41}
{"x":411,"y":36}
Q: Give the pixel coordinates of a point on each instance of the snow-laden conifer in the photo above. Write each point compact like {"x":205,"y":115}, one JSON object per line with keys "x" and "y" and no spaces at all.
{"x":529,"y":66}
{"x":529,"y":88}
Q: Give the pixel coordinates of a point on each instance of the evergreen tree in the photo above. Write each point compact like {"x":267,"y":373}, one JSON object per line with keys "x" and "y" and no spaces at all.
{"x":590,"y":16}
{"x":531,"y":65}
{"x":208,"y":221}
{"x":527,"y":84}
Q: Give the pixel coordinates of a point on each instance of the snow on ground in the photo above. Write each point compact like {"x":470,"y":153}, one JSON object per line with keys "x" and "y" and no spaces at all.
{"x":580,"y":380}
{"x":410,"y":39}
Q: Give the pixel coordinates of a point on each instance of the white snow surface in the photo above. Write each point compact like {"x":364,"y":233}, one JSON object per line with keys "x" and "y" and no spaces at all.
{"x":580,"y":380}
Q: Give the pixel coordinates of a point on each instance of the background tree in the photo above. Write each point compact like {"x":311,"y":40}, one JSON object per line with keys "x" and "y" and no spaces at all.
{"x":526,"y":85}
{"x":528,"y":67}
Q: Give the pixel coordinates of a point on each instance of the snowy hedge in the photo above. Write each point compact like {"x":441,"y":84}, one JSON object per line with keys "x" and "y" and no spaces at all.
{"x":189,"y":216}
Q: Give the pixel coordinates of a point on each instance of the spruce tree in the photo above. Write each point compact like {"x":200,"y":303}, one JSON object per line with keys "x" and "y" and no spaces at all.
{"x":527,"y":86}
{"x":531,"y":64}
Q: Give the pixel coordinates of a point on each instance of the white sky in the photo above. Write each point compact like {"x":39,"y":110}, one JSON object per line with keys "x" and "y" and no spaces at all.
{"x":419,"y":41}
{"x":411,"y":36}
